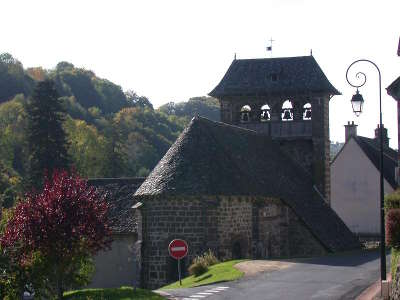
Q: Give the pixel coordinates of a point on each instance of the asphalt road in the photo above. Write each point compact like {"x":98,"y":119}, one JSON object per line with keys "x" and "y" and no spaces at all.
{"x":342,"y":276}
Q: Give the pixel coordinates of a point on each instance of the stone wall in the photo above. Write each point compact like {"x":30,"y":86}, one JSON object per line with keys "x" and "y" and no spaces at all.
{"x":232,"y":227}
{"x":321,"y":145}
{"x":301,"y":151}
{"x":165,"y":220}
{"x":280,"y":233}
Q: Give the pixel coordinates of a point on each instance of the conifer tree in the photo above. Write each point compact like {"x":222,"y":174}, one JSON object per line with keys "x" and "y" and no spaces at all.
{"x":46,"y":136}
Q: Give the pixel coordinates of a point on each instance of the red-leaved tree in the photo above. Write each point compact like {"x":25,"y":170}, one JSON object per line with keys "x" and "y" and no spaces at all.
{"x":393,"y":228}
{"x":64,"y":225}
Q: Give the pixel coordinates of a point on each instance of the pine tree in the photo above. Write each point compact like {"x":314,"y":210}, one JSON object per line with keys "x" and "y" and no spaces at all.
{"x":46,"y":136}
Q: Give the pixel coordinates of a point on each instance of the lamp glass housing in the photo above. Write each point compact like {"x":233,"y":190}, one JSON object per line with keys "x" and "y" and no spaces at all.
{"x":357,"y":102}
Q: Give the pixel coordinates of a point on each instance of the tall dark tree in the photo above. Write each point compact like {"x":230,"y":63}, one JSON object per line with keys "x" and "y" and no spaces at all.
{"x":46,"y":136}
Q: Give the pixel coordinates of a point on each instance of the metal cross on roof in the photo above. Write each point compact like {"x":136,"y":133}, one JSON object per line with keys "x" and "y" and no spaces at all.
{"x":269,"y":48}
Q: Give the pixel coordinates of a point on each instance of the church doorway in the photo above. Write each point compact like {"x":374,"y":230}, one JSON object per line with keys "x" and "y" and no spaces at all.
{"x":237,"y":250}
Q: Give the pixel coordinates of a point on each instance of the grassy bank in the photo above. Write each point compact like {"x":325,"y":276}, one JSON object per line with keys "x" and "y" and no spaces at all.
{"x":123,"y":293}
{"x":217,"y":273}
{"x":395,"y":260}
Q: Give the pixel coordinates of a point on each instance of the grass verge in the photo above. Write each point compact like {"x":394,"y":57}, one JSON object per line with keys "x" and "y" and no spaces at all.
{"x":395,"y":260}
{"x":122,"y":293}
{"x":217,"y":273}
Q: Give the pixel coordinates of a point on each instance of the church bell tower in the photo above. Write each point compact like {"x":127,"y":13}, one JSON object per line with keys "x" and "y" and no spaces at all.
{"x":287,"y":99}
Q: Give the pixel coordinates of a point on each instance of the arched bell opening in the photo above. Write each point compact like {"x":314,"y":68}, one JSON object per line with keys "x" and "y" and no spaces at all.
{"x":265,"y":113}
{"x":245,"y":114}
{"x":307,"y":111}
{"x":287,"y":111}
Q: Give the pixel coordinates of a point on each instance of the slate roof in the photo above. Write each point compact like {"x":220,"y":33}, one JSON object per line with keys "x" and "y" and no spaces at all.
{"x":371,"y":148}
{"x":295,"y":75}
{"x":120,"y":197}
{"x":394,"y":89}
{"x":212,"y":158}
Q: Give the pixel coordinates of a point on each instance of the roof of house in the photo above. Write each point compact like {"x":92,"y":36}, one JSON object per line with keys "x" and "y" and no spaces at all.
{"x":119,"y":195}
{"x":394,"y":89}
{"x":371,"y":148}
{"x":212,"y":158}
{"x":294,"y":76}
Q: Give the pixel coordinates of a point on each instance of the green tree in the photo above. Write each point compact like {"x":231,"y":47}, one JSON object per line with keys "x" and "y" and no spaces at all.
{"x":138,"y":101}
{"x":204,"y":106}
{"x":46,"y":136}
{"x":12,"y":78}
{"x":87,"y":148}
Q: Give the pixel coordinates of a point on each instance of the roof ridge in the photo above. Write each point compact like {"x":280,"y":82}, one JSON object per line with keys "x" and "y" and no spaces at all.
{"x":226,"y":125}
{"x":274,"y":58}
{"x":372,"y":141}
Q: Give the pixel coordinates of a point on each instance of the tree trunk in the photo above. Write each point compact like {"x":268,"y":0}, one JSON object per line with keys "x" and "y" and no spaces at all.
{"x":60,"y":290}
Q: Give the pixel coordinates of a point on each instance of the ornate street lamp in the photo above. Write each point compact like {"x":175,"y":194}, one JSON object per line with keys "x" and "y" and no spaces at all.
{"x":357,"y":103}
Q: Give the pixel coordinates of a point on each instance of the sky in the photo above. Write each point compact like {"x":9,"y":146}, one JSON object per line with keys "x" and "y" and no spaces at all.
{"x":174,"y":50}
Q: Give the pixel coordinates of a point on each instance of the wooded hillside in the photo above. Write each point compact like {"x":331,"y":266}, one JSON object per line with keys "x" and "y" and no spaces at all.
{"x":111,"y":133}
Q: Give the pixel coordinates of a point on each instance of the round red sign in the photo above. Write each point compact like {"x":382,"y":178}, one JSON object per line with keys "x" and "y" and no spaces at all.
{"x":178,"y":249}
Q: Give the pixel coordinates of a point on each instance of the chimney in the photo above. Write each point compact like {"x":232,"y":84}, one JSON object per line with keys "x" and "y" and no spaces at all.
{"x":350,"y":130}
{"x":384,"y":135}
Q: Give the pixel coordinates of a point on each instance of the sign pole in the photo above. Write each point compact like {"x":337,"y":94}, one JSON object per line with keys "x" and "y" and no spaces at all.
{"x":178,"y":249}
{"x":179,"y":271}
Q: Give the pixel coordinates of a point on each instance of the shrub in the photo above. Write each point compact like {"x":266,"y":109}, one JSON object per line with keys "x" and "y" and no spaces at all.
{"x":210,"y":258}
{"x":202,"y":262}
{"x":392,"y":201}
{"x":393,"y":228}
{"x":198,"y":267}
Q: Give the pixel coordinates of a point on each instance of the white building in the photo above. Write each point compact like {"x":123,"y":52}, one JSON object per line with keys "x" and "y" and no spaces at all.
{"x":355,"y":180}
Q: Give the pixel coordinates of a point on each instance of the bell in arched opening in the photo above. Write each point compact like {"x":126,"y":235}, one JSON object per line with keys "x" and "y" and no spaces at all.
{"x":287,"y":115}
{"x":265,"y":113}
{"x":245,"y":114}
{"x":307,"y":112}
{"x":287,"y":111}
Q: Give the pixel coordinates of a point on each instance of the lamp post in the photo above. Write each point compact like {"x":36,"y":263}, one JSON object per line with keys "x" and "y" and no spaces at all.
{"x":357,"y":103}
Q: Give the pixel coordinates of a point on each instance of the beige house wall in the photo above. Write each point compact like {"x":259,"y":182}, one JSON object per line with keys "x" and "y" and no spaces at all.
{"x":355,"y":190}
{"x":116,"y":267}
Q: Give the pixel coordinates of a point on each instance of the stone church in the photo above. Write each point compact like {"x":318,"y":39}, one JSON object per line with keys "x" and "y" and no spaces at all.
{"x":255,"y":185}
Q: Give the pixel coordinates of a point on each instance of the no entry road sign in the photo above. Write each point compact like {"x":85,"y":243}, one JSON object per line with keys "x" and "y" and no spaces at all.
{"x":178,"y":249}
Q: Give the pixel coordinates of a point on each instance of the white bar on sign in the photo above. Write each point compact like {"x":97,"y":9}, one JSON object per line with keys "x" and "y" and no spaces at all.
{"x":178,"y":248}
